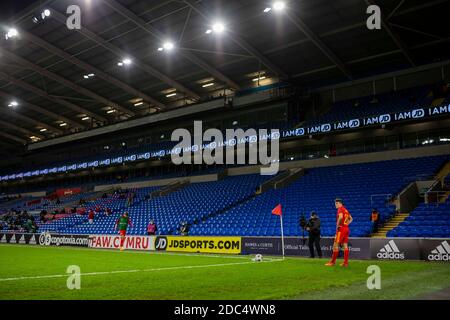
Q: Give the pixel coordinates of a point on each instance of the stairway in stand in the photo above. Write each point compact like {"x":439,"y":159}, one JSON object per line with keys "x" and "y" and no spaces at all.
{"x":389,"y":225}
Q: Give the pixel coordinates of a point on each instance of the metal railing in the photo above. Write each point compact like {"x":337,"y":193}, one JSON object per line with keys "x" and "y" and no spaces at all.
{"x":419,"y":177}
{"x":386,"y":196}
{"x":433,"y":197}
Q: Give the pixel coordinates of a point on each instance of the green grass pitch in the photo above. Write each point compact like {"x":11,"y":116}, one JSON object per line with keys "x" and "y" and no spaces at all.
{"x":32,"y":272}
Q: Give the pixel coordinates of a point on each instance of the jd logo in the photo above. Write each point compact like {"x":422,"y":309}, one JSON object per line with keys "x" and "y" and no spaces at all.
{"x":418,"y":113}
{"x":354,"y":123}
{"x":300,"y":132}
{"x":325,"y":127}
{"x":385,"y":118}
{"x":374,"y":20}
{"x":161,"y":243}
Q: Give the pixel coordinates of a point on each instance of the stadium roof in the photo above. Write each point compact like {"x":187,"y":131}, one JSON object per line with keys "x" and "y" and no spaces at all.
{"x":55,"y":81}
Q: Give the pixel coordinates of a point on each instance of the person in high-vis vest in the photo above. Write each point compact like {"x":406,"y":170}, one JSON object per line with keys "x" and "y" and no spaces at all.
{"x":375,"y":219}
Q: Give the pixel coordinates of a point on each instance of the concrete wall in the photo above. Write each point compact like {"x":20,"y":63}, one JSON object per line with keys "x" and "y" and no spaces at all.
{"x":352,"y":159}
{"x":159,"y":182}
{"x":409,"y":198}
{"x":31,"y":194}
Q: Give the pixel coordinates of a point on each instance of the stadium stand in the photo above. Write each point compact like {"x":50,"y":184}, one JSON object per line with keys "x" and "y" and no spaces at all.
{"x":239,"y":211}
{"x":402,"y":100}
{"x":427,"y":221}
{"x":186,"y":204}
{"x":316,"y":191}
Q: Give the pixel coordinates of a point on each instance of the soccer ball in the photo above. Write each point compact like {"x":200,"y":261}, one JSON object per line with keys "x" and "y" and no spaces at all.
{"x":258,"y":258}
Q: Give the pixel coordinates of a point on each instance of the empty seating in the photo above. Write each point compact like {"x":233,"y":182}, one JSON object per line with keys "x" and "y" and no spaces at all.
{"x":427,"y":220}
{"x":356,"y":184}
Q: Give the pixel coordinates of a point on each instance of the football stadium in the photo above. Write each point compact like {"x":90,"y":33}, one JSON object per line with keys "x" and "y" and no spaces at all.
{"x":224,"y":150}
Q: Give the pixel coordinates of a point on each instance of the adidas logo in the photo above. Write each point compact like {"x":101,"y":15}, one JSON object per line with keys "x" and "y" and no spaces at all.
{"x":390,"y":251}
{"x":441,"y":253}
{"x":32,"y":240}
{"x":22,"y":239}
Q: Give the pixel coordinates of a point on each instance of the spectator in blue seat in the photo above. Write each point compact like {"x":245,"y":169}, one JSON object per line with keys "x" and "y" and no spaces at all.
{"x":151,"y":228}
{"x":184,"y":229}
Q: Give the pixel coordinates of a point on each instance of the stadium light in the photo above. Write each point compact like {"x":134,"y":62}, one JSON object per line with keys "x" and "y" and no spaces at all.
{"x":13,"y":104}
{"x":43,"y":130}
{"x":138,"y":104}
{"x":41,"y":16}
{"x":258,"y":79}
{"x":218,"y":27}
{"x":208,"y":85}
{"x":171,"y":95}
{"x":124,"y":62}
{"x":12,"y":33}
{"x":85,"y":118}
{"x":276,"y":6}
{"x":168,"y":45}
{"x":63,"y":124}
{"x":279,"y":6}
{"x":111,"y":111}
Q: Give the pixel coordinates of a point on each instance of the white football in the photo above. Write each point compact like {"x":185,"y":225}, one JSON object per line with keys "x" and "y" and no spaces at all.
{"x":258,"y":258}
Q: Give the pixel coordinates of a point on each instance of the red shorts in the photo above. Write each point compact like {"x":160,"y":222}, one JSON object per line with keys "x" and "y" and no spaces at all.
{"x":123,"y":233}
{"x":342,"y":235}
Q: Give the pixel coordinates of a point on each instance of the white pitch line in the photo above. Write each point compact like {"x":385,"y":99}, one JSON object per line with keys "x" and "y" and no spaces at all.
{"x":134,"y":271}
{"x":131,"y":251}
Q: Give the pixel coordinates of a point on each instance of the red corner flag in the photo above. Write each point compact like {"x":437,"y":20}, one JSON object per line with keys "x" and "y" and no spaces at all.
{"x":277,"y":210}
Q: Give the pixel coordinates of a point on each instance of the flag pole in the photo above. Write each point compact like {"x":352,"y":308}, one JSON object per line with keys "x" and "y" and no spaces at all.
{"x":282,"y":234}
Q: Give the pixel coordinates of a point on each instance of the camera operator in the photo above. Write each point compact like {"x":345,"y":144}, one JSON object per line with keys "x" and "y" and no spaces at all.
{"x":303,"y":224}
{"x":313,"y":227}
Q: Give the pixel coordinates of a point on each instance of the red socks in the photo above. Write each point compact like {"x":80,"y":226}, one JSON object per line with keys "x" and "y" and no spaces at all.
{"x":346,"y":252}
{"x":122,"y":241}
{"x":334,"y":256}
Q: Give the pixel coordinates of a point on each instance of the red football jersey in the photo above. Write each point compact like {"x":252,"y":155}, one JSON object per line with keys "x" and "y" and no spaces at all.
{"x":346,"y":217}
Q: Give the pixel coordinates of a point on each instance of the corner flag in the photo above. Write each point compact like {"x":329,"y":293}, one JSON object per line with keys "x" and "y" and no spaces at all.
{"x":279,"y":212}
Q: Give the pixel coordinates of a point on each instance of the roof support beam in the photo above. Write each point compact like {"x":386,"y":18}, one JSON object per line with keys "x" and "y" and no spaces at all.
{"x":385,"y":25}
{"x":20,"y":129}
{"x":44,"y":94}
{"x":161,"y":37}
{"x":64,"y":81}
{"x":90,"y":68}
{"x":30,"y":120}
{"x":198,"y":7}
{"x":319,"y":43}
{"x":44,"y":112}
{"x":122,"y":54}
{"x":13,"y":138}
